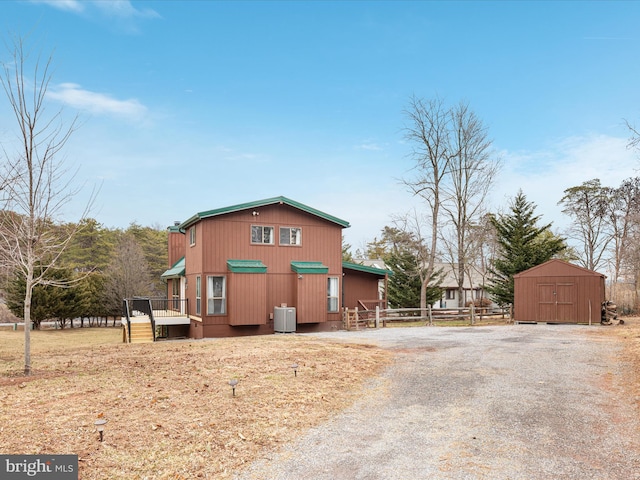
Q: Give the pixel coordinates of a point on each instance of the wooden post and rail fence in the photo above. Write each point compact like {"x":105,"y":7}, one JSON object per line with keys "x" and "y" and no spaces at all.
{"x":356,"y":318}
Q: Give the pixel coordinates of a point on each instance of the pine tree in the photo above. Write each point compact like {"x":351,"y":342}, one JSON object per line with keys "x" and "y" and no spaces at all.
{"x":522,"y":244}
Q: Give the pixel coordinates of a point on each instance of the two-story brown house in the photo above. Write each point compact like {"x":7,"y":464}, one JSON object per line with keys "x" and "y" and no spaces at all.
{"x":241,"y":267}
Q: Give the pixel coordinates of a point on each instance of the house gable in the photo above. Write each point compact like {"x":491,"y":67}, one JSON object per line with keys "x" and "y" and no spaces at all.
{"x":262,"y":203}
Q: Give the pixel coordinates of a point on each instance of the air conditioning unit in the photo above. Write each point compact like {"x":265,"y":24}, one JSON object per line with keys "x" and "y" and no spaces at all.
{"x":284,"y":319}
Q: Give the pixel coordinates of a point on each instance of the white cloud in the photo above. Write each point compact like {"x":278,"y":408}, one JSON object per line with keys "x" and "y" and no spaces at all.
{"x":120,"y":14}
{"x":66,"y":5}
{"x":124,"y":9}
{"x":97,"y":103}
{"x":544,"y":175}
{"x":369,"y":146}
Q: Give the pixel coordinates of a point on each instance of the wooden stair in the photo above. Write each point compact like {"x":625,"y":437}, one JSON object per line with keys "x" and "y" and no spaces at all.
{"x":141,"y":332}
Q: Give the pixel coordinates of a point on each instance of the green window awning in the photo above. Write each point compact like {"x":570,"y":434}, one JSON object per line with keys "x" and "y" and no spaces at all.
{"x":309,"y":267}
{"x":176,"y":271}
{"x":246,"y":266}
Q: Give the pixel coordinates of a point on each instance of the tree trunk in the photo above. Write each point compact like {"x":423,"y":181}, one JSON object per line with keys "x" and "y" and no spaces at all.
{"x":27,"y":325}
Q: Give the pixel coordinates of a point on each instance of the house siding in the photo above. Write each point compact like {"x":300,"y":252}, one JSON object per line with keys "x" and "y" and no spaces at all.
{"x":358,"y":286}
{"x":249,"y":308}
{"x":176,"y":241}
{"x":251,"y":298}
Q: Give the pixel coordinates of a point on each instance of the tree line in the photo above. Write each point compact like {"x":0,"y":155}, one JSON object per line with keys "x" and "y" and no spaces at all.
{"x":454,"y":169}
{"x":98,"y":268}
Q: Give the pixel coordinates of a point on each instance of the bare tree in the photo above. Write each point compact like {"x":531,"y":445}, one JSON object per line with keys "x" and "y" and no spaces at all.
{"x":428,"y":132}
{"x":127,"y":275}
{"x":623,"y":211}
{"x":37,"y":185}
{"x":588,"y":205}
{"x":634,"y":141}
{"x":454,"y":170}
{"x":472,"y":170}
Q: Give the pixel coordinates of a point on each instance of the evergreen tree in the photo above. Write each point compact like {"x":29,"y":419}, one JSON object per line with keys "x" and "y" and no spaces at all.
{"x":522,"y":244}
{"x":401,"y":251}
{"x":91,"y":248}
{"x":346,"y":251}
{"x":57,"y":297}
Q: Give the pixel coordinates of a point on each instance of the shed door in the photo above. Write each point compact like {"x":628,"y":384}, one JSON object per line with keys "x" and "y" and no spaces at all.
{"x":566,"y":303}
{"x":557,"y":302}
{"x":546,"y":302}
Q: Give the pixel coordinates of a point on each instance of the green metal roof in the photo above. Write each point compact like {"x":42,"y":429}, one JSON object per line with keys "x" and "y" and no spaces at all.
{"x":309,"y":267}
{"x":176,"y":271}
{"x":246,"y":266}
{"x":263,"y":203}
{"x":363,"y":268}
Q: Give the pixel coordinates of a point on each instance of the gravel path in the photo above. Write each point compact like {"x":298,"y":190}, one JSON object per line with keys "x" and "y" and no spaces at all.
{"x":518,"y":402}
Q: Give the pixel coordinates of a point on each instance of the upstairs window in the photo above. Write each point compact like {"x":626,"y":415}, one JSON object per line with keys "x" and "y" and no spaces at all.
{"x":261,"y":235}
{"x":290,"y":236}
{"x":192,"y":235}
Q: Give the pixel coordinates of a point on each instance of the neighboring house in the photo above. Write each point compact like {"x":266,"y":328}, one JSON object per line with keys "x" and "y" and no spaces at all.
{"x":472,"y":287}
{"x":242,"y":267}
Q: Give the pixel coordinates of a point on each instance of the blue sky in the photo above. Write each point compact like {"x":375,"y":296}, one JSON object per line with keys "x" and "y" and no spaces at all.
{"x":190,"y":106}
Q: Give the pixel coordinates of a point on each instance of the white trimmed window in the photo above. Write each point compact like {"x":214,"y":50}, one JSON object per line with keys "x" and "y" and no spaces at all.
{"x":261,"y":235}
{"x":332,"y":294}
{"x":290,"y":236}
{"x":451,"y":294}
{"x":192,"y":235}
{"x":216,"y":296}
{"x":198,"y":295}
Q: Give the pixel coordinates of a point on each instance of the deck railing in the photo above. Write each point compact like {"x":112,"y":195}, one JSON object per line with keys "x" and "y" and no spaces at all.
{"x":154,"y":308}
{"x":170,"y":307}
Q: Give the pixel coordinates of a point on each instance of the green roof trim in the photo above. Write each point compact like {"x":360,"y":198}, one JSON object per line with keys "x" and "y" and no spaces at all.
{"x":363,"y":268}
{"x":246,"y":266}
{"x":177,"y":270}
{"x":263,"y":203}
{"x":309,"y":267}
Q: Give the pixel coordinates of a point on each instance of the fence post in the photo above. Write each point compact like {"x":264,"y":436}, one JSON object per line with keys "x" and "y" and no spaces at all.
{"x":472,"y":313}
{"x":429,"y":314}
{"x":377,"y":316}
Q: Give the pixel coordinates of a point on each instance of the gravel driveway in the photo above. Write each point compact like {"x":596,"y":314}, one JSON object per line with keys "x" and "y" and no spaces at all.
{"x":515,"y":402}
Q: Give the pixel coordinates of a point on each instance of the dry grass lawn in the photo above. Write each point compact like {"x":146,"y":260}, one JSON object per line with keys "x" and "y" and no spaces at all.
{"x":170,"y":410}
{"x":629,"y":333}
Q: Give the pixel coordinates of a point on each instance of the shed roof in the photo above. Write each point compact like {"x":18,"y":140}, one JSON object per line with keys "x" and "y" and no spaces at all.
{"x":558,"y":268}
{"x":262,"y":203}
{"x":366,"y":269}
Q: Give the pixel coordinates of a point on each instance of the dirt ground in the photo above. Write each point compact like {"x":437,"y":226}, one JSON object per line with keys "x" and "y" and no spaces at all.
{"x":170,"y":411}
